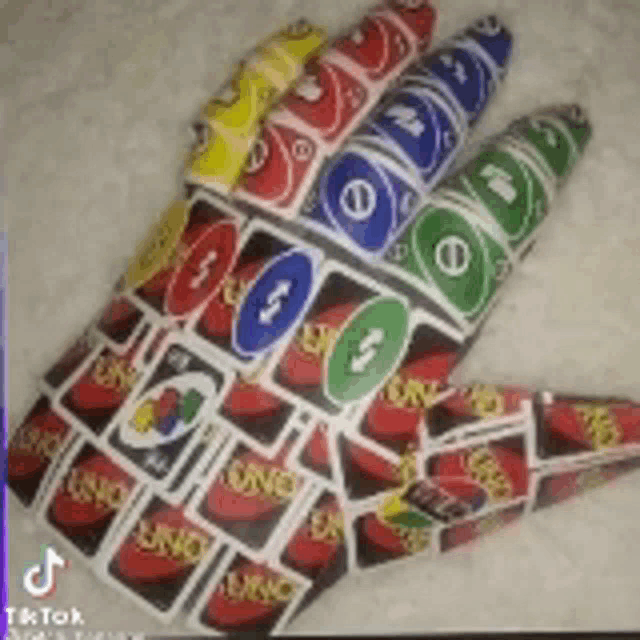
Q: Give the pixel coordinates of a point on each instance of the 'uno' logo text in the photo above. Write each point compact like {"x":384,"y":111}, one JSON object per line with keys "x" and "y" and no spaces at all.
{"x":88,"y":487}
{"x":179,"y":544}
{"x":252,"y":480}
{"x":258,"y":588}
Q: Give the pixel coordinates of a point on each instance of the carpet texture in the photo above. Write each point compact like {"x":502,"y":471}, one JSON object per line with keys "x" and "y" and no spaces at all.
{"x":96,"y":100}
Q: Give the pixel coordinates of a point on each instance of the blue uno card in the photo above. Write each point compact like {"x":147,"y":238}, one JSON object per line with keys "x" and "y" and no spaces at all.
{"x":495,"y":39}
{"x":362,"y":200}
{"x":275,"y":301}
{"x":469,"y":65}
{"x":422,"y":125}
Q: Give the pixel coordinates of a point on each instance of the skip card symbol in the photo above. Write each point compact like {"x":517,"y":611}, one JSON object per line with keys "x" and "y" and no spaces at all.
{"x":39,"y":580}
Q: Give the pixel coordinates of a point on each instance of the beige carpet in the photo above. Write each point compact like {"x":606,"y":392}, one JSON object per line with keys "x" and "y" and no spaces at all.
{"x":96,"y":101}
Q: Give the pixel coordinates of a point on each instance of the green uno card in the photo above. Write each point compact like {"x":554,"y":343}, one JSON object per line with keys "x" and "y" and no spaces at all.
{"x":453,"y":256}
{"x":510,"y":189}
{"x":556,"y":135}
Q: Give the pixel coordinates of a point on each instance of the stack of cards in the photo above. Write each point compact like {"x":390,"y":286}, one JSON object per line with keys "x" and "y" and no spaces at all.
{"x":231,"y":122}
{"x":482,"y":220}
{"x":336,"y":92}
{"x":248,"y":418}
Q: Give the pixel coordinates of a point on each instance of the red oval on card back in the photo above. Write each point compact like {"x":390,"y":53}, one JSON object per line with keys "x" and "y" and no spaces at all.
{"x":142,"y":566}
{"x":386,"y":421}
{"x":22,"y":464}
{"x":223,"y":611}
{"x":85,"y":515}
{"x":246,"y":400}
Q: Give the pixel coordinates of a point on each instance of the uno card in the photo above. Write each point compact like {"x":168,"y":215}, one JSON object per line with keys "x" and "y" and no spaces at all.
{"x":368,"y":469}
{"x":574,"y":428}
{"x":197,"y":260}
{"x":99,"y":389}
{"x":495,"y":40}
{"x":211,"y":440}
{"x":555,"y":137}
{"x":247,"y":595}
{"x":397,"y":415}
{"x":120,"y":323}
{"x":88,"y":499}
{"x":419,"y":128}
{"x":418,"y":17}
{"x":157,"y":556}
{"x":316,"y":455}
{"x":280,"y":167}
{"x":378,"y":47}
{"x":35,"y":449}
{"x":465,"y":532}
{"x":316,"y":546}
{"x":361,"y":200}
{"x":474,"y":477}
{"x":161,"y":423}
{"x":351,"y":339}
{"x":454,"y":256}
{"x":257,"y":415}
{"x":73,"y":358}
{"x":261,"y":301}
{"x":329,"y":101}
{"x":248,"y":496}
{"x":509,"y":188}
{"x":476,"y":409}
{"x":555,"y":485}
{"x":464,"y":71}
{"x":381,"y":535}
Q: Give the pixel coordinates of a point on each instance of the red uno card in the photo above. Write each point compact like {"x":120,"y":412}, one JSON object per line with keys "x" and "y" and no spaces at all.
{"x":256,"y":414}
{"x":420,"y":17}
{"x":379,"y":46}
{"x":281,"y":165}
{"x":572,"y":428}
{"x":378,"y":539}
{"x":158,"y":556}
{"x":465,"y":532}
{"x":316,"y":546}
{"x":120,"y":323}
{"x":478,"y":476}
{"x":479,"y":408}
{"x":247,"y":496}
{"x":247,"y":595}
{"x":200,"y":262}
{"x":563,"y":482}
{"x":72,"y":359}
{"x":368,"y":469}
{"x":99,"y":389}
{"x":329,"y":100}
{"x":315,"y":454}
{"x":35,"y":449}
{"x":88,"y":499}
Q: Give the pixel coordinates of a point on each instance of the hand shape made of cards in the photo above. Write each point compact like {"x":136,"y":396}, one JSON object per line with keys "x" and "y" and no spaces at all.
{"x":252,"y":415}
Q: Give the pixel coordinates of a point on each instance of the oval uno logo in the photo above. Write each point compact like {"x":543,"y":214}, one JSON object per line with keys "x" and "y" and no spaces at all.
{"x":167,"y":411}
{"x":369,"y":347}
{"x":272,"y":306}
